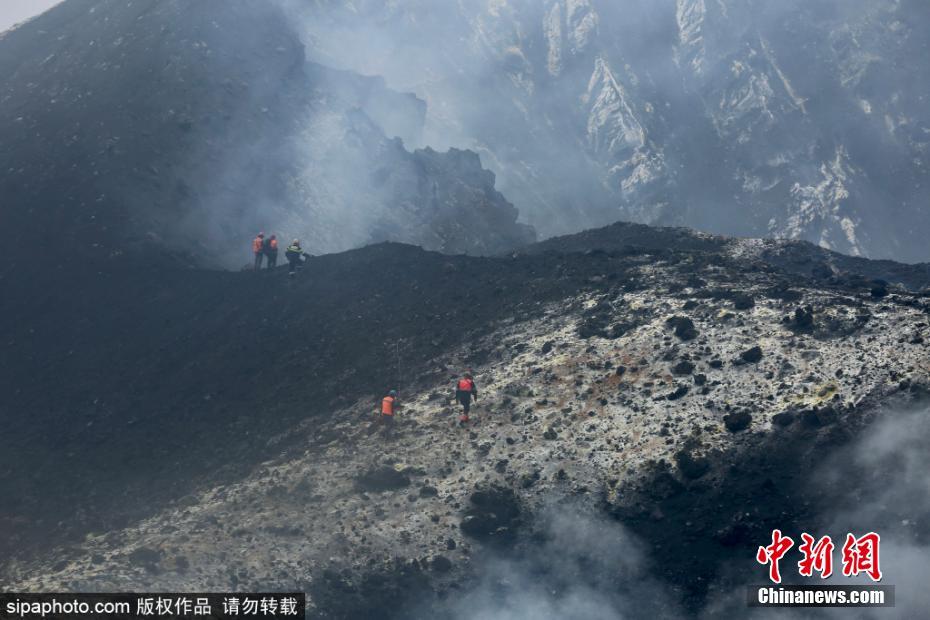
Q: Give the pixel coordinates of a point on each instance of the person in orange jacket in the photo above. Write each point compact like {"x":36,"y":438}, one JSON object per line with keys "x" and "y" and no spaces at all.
{"x":465,"y":390}
{"x":389,"y":407}
{"x":271,"y":251}
{"x":258,"y":249}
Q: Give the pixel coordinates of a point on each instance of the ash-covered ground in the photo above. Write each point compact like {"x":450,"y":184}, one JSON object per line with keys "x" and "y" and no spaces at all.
{"x":652,"y":404}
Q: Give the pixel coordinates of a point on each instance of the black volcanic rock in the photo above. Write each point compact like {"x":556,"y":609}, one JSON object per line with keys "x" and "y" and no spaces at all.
{"x":803,"y":319}
{"x":232,"y":363}
{"x":684,"y":327}
{"x":380,"y":479}
{"x":493,"y":516}
{"x":879,"y":290}
{"x":441,"y":564}
{"x":692,"y":467}
{"x":737,"y":421}
{"x":145,"y":557}
{"x":743,"y":301}
{"x":751,"y":356}
{"x":683,"y":367}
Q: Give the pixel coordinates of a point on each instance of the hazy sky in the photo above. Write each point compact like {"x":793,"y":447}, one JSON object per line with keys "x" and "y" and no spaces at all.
{"x":15,"y":11}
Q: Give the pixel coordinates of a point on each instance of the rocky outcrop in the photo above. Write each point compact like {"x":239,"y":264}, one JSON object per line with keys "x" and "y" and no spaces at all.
{"x":782,"y":121}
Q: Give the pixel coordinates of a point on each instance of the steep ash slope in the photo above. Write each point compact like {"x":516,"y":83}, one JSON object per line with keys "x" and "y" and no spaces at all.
{"x":131,"y":127}
{"x":226,"y":418}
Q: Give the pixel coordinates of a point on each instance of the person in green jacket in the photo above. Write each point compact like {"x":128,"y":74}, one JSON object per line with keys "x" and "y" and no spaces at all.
{"x":295,"y":257}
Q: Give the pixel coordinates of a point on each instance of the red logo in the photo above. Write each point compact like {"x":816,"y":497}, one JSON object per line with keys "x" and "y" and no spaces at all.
{"x":773,"y":553}
{"x":817,"y":557}
{"x":860,"y":555}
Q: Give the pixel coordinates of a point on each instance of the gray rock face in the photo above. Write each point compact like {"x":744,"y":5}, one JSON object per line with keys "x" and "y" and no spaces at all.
{"x":789,"y":119}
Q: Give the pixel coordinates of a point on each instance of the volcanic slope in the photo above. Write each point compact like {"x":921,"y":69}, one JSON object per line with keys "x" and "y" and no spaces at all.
{"x":630,"y":381}
{"x":154,"y":126}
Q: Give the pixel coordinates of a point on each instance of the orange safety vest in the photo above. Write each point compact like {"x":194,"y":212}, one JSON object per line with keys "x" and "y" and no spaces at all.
{"x":257,"y":245}
{"x":466,"y":385}
{"x":387,"y":405}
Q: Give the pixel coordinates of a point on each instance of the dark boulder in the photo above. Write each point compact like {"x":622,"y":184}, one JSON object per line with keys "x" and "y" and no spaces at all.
{"x":493,"y":516}
{"x":879,"y":289}
{"x":783,"y":292}
{"x":528,"y":480}
{"x":441,"y":564}
{"x":683,"y":367}
{"x":817,"y":418}
{"x":803,"y":319}
{"x":691,"y":467}
{"x":737,"y":421}
{"x":146,"y":558}
{"x":752,"y":356}
{"x":380,"y":479}
{"x":683,"y":326}
{"x":741,"y":301}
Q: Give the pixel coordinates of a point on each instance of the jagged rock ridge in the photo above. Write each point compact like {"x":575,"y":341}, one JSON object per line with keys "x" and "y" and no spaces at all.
{"x":787,"y":120}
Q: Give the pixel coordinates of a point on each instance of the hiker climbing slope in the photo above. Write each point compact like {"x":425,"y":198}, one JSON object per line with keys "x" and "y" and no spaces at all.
{"x":389,"y":406}
{"x":465,"y":390}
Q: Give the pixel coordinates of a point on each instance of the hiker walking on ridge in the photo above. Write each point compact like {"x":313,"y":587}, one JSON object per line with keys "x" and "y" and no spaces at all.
{"x":465,"y":390}
{"x":258,"y":247}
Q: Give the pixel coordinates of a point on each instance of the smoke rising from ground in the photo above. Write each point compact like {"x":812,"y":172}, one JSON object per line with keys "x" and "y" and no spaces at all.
{"x":784,"y":119}
{"x":876,"y":483}
{"x":583,"y":566}
{"x":797,"y":120}
{"x":880,"y":484}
